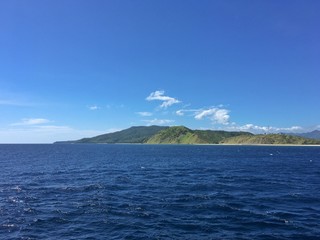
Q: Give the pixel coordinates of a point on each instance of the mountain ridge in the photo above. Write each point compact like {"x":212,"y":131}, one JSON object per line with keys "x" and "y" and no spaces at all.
{"x":313,"y":135}
{"x":281,"y":139}
{"x":135,"y":134}
{"x":184,"y":135}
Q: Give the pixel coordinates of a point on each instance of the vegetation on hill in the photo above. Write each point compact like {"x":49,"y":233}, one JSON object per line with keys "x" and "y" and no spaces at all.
{"x":130,"y":135}
{"x":270,"y":139}
{"x":176,"y":135}
{"x":183,"y":135}
{"x":216,"y":137}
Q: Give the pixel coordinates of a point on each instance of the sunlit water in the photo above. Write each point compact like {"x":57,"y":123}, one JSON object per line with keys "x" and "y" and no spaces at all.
{"x":159,"y":192}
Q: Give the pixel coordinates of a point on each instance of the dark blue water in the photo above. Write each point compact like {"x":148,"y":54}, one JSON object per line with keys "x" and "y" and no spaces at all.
{"x":159,"y":192}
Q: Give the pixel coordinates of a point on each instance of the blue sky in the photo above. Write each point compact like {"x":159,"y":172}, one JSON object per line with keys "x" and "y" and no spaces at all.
{"x":73,"y":69}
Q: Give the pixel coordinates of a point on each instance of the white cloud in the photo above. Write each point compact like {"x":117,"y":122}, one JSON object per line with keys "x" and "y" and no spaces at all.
{"x":180,"y":113}
{"x":217,"y":115}
{"x":158,"y":121}
{"x":31,"y":121}
{"x":7,"y":102}
{"x":264,"y":129}
{"x":46,"y":134}
{"x":51,"y":128}
{"x":204,"y":113}
{"x":222,"y":116}
{"x":38,"y":130}
{"x":144,"y":114}
{"x":166,"y":100}
{"x":15,"y":103}
{"x":94,"y":107}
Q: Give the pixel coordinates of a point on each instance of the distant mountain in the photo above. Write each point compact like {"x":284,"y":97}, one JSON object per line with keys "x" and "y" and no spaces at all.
{"x":183,"y":135}
{"x":314,"y":134}
{"x":131,"y":135}
{"x":270,"y":139}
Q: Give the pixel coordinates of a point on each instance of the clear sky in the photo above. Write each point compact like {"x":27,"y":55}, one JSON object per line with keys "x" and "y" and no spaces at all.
{"x":72,"y":68}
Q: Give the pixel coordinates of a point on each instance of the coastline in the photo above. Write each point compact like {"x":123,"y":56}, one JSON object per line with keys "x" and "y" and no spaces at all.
{"x":274,"y":145}
{"x":222,"y":144}
{"x":201,"y":144}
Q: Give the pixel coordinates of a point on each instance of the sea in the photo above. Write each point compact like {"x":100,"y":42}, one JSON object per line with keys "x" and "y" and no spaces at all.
{"x":119,"y":191}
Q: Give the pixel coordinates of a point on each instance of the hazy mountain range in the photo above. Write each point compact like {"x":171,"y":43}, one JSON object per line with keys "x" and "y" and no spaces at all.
{"x":313,"y":135}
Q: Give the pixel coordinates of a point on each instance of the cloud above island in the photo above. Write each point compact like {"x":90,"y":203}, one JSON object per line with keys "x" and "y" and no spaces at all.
{"x":41,"y":130}
{"x":156,"y":121}
{"x":263,"y":129}
{"x":144,"y":114}
{"x":215,"y":114}
{"x":30,"y":122}
{"x":218,"y":116}
{"x":93,"y":107}
{"x":166,"y":100}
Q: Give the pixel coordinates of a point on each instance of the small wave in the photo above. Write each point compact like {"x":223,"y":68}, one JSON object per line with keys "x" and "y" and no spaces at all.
{"x":124,"y":179}
{"x":17,"y":188}
{"x":79,"y":188}
{"x":15,"y":200}
{"x":8,"y":225}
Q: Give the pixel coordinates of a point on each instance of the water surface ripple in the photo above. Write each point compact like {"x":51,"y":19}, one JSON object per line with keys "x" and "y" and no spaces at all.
{"x":159,"y":192}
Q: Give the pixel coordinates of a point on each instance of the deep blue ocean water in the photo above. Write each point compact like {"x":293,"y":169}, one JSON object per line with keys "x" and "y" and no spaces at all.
{"x":159,"y":192}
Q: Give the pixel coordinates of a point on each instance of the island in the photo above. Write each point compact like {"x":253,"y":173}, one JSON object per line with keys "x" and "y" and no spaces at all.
{"x":184,"y":135}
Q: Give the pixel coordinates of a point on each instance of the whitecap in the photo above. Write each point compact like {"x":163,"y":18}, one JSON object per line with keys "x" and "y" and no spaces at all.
{"x":17,"y":188}
{"x":8,"y":225}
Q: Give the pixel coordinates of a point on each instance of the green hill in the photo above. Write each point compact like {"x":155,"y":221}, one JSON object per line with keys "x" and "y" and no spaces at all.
{"x":270,"y":139}
{"x":216,"y":137}
{"x":130,"y":135}
{"x":183,"y":135}
{"x":176,"y":135}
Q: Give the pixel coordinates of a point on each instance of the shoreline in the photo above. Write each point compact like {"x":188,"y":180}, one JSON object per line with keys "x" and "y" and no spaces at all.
{"x":214,"y":144}
{"x":193,"y":144}
{"x":274,"y":145}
